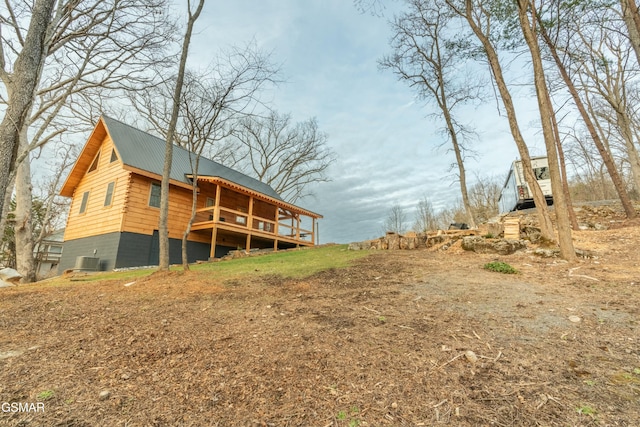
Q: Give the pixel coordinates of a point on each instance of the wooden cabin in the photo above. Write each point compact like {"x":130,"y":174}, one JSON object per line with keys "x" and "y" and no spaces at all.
{"x":115,"y":191}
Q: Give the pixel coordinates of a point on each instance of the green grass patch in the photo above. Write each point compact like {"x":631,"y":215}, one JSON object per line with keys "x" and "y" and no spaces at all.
{"x":294,"y":264}
{"x":586,"y":410}
{"x":289,"y":264}
{"x":500,"y":267}
{"x":45,"y":395}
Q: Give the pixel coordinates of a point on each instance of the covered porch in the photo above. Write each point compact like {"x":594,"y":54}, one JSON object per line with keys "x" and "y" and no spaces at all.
{"x":234,"y":217}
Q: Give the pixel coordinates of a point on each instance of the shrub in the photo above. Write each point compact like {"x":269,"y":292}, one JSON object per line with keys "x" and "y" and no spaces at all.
{"x":500,"y":267}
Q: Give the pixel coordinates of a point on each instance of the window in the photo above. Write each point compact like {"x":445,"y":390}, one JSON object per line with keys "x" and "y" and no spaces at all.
{"x":94,"y":165}
{"x":83,"y":205}
{"x":210,"y":202}
{"x":542,"y":173}
{"x":114,"y":156}
{"x":154,"y":197}
{"x":109,"y":197}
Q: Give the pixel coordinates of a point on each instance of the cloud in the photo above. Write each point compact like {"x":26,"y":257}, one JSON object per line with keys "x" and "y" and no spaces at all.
{"x":389,"y":149}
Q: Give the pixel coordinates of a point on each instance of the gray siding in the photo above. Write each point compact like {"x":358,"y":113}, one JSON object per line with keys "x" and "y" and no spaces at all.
{"x":138,"y":249}
{"x":104,"y":245}
{"x":122,"y":250}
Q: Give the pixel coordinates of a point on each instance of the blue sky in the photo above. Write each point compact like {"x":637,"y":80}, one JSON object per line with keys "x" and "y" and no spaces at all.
{"x":386,"y":144}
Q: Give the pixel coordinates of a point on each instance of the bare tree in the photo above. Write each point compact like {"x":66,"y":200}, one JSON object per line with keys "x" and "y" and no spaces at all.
{"x":285,"y":155}
{"x":607,"y":73}
{"x":425,"y":219}
{"x":547,"y":119}
{"x":53,"y":206}
{"x":558,"y":27}
{"x":484,"y":195}
{"x":431,"y":65}
{"x":163,"y":226}
{"x":211,"y":105}
{"x":396,"y":220}
{"x":484,"y":25}
{"x":21,"y":83}
{"x":631,"y":18}
{"x":93,"y":47}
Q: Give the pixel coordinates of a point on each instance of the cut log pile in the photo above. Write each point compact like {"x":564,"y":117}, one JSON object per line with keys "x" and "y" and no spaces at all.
{"x":411,"y":240}
{"x":502,"y":235}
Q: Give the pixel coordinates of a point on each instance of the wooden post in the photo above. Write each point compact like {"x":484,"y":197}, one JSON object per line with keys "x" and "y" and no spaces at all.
{"x":214,"y":229}
{"x":247,"y":247}
{"x":250,"y":214}
{"x":214,"y":234}
{"x":216,"y":211}
{"x":313,"y":231}
{"x":276,"y":230}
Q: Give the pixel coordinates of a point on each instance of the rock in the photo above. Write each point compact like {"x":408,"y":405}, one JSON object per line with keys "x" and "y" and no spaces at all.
{"x":10,"y":353}
{"x":501,"y":246}
{"x":574,"y":319}
{"x":470,"y":356}
{"x":9,"y":275}
{"x":495,"y":229}
{"x":104,"y":395}
{"x":534,"y":234}
{"x":547,"y":253}
{"x":4,"y":284}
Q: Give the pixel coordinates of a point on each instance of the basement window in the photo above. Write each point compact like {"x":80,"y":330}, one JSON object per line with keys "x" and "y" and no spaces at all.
{"x":83,"y":204}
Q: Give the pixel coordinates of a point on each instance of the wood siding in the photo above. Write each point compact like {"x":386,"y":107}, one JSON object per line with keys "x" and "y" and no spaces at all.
{"x":97,"y":218}
{"x":141,"y":218}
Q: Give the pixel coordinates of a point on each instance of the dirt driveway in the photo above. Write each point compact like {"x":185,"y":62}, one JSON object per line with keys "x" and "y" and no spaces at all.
{"x":412,"y":338}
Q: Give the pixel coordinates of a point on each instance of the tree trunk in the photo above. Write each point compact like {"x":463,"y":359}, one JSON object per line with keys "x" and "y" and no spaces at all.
{"x":25,"y":263}
{"x":21,"y":87}
{"x":624,"y":123}
{"x":163,"y":226}
{"x":567,"y":251}
{"x":600,"y":146}
{"x":461,"y":171}
{"x":631,"y":19}
{"x":7,"y":205}
{"x":194,"y":206}
{"x":546,"y":226}
{"x":563,"y":173}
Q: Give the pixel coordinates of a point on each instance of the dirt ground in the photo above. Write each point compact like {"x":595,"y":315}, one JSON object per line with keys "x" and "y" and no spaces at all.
{"x":402,"y":338}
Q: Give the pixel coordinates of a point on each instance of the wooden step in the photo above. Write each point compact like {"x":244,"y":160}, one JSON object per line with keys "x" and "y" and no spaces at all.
{"x":512,"y":228}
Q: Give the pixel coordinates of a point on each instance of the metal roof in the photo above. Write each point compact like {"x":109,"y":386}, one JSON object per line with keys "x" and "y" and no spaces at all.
{"x":144,"y":151}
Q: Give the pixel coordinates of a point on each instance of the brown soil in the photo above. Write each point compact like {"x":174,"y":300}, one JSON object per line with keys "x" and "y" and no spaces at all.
{"x":385,"y":342}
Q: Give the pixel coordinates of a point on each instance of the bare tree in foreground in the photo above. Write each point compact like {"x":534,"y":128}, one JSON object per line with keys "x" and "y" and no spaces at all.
{"x":482,"y":23}
{"x":93,"y":48}
{"x":163,"y":223}
{"x":210,"y":108}
{"x":547,"y":119}
{"x":21,"y":83}
{"x":431,"y":65}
